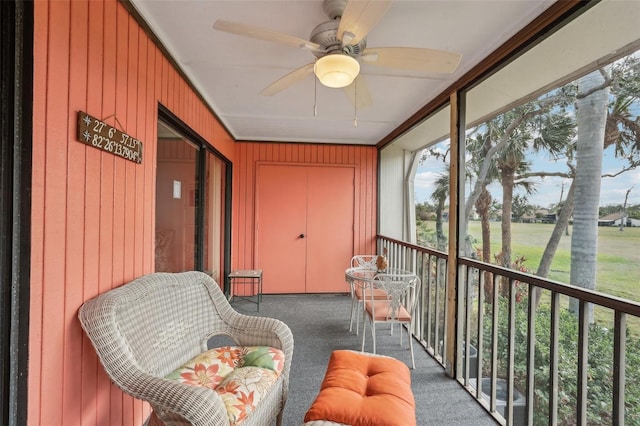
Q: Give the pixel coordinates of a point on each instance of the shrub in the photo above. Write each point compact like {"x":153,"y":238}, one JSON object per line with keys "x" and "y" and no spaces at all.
{"x":600,"y":364}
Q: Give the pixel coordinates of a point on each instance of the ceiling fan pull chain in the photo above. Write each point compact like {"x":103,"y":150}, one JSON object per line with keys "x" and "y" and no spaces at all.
{"x":355,"y":103}
{"x":315,"y":96}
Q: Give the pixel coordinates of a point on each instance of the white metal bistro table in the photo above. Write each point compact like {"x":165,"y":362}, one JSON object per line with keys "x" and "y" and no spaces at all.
{"x":246,"y":277}
{"x":364,"y":277}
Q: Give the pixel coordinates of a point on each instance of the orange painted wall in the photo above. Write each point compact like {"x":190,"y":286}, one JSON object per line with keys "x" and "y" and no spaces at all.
{"x":248,"y":154}
{"x":93,"y":214}
{"x":93,"y":217}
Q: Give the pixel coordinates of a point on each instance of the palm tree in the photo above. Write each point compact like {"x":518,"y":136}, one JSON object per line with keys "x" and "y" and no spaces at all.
{"x":546,"y":129}
{"x":622,"y":129}
{"x":502,"y":147}
{"x":598,"y":128}
{"x":591,"y":113}
{"x":439,"y":196}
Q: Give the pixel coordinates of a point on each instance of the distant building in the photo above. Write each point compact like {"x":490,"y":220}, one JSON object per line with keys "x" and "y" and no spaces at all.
{"x":536,"y":217}
{"x":615,"y":219}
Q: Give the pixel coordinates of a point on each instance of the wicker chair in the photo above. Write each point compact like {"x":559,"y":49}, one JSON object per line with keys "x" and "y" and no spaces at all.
{"x":147,"y":328}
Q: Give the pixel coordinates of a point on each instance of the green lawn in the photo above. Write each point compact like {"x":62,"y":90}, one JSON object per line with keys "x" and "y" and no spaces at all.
{"x":618,"y":257}
{"x":618,"y":254}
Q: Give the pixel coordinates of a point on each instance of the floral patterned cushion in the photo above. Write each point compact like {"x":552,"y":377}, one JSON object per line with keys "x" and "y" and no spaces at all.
{"x":242,"y":390}
{"x":242,"y":375}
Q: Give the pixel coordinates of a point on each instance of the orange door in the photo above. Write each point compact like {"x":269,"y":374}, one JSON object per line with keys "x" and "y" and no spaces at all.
{"x":304,"y":220}
{"x":330,"y":193}
{"x":280,"y":220}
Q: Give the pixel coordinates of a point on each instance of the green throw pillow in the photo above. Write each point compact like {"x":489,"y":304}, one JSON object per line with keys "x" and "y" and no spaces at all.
{"x":261,"y":356}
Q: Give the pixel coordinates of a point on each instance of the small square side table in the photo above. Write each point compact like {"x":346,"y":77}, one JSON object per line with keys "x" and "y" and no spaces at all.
{"x":247,"y":277}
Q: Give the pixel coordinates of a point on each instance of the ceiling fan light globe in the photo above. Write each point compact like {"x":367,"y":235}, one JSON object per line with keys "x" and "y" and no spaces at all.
{"x":337,"y":70}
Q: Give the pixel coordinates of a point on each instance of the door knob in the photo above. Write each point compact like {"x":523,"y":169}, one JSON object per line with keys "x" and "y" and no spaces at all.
{"x":301,"y":235}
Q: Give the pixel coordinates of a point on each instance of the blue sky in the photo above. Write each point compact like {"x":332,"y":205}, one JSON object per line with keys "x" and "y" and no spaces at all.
{"x":548,"y":192}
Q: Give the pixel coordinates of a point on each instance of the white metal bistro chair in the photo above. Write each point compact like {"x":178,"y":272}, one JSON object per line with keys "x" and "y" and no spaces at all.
{"x":359,"y":287}
{"x":401,"y":289}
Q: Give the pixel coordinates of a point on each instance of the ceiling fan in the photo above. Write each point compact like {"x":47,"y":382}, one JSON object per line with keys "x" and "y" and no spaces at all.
{"x":339,"y":46}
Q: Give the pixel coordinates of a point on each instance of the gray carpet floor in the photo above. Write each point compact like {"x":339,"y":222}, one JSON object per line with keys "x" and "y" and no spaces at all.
{"x":320,"y":324}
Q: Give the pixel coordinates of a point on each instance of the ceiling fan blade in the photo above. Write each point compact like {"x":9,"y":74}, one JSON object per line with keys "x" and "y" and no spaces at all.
{"x":288,"y":80}
{"x":387,"y":72}
{"x":358,"y":93}
{"x":264,"y":34}
{"x":412,"y":58}
{"x":359,"y":17}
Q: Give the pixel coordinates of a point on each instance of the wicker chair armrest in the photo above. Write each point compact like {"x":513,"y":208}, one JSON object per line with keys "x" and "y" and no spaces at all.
{"x":256,"y":331}
{"x":199,"y":406}
{"x":262,"y":331}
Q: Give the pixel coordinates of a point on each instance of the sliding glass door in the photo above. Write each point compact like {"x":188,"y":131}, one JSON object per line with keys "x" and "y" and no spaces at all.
{"x":176,"y":199}
{"x":192,"y":202}
{"x":215,"y":206}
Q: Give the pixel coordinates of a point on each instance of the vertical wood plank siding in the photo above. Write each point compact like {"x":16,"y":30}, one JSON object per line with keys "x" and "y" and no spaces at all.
{"x":93,"y":219}
{"x":249,"y":154}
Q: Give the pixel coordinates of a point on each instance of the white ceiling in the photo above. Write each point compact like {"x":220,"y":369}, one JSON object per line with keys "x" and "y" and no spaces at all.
{"x":230,"y":70}
{"x":605,"y":32}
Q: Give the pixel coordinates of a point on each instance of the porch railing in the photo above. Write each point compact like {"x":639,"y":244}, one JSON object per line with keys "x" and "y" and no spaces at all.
{"x":431,"y":310}
{"x":514,"y":327}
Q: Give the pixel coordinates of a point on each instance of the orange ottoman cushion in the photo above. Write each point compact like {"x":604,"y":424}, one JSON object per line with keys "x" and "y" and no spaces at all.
{"x":360,"y":389}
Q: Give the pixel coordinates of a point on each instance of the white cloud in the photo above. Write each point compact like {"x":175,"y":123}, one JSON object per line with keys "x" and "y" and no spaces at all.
{"x":424,"y":185}
{"x":613,"y":190}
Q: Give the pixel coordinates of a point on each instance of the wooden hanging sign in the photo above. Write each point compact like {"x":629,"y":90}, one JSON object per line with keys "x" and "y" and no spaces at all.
{"x":101,"y":135}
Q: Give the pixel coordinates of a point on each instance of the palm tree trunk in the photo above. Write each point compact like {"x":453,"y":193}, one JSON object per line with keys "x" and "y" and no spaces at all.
{"x":482,"y":207}
{"x":440,"y":239}
{"x":591,"y":114}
